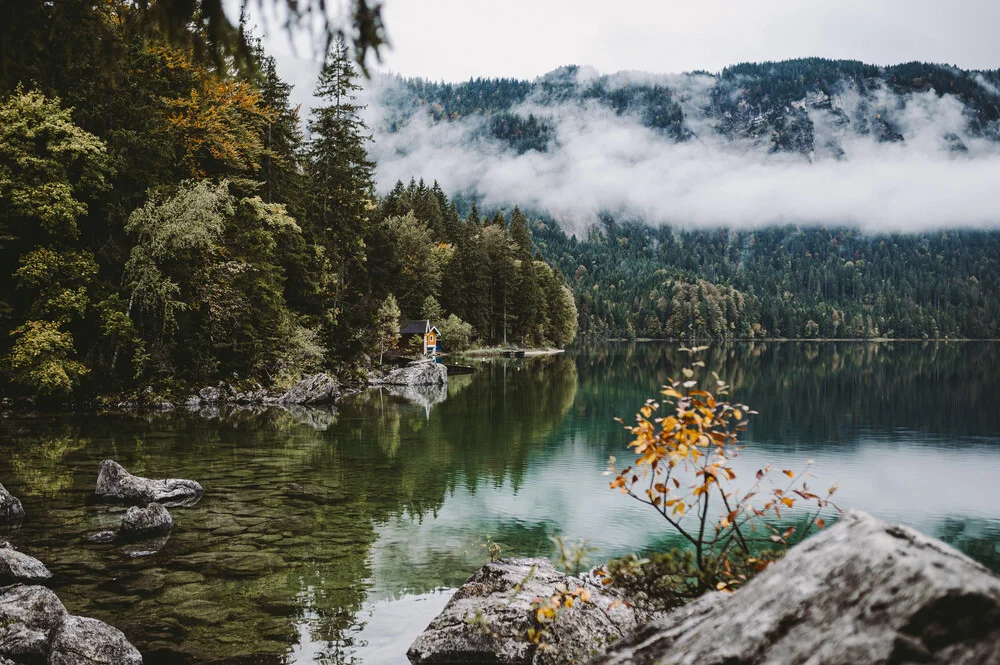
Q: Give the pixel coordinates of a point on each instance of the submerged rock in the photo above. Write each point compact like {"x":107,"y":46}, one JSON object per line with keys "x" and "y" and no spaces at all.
{"x":117,"y":484}
{"x":146,"y":522}
{"x":28,"y":614}
{"x":19,"y":567}
{"x":84,"y":641}
{"x":863,"y":591}
{"x":11,"y":511}
{"x":316,"y":389}
{"x":419,"y":373}
{"x":487,"y":620}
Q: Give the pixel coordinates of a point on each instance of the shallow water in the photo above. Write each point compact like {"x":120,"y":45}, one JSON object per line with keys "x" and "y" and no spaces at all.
{"x":333,"y":536}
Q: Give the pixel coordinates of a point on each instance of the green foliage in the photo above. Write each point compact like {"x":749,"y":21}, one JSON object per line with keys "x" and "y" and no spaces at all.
{"x":170,"y":219}
{"x":340,"y":177}
{"x":456,"y":334}
{"x":663,"y":581}
{"x":432,"y":311}
{"x":42,"y":358}
{"x":386,"y":326}
{"x":771,"y":282}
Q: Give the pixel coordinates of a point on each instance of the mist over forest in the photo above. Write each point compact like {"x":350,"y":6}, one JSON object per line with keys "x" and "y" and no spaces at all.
{"x":904,"y":148}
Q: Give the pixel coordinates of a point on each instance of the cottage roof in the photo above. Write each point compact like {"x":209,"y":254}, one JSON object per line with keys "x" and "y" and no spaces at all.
{"x":414,"y":327}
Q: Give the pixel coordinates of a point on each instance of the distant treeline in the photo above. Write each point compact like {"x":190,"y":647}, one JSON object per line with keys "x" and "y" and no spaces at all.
{"x":631,"y":280}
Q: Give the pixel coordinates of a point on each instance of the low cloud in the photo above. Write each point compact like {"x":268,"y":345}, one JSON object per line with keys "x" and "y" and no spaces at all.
{"x":602,"y":162}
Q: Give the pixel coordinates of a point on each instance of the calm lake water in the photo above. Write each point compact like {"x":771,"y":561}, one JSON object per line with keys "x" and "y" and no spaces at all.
{"x":334,"y":536}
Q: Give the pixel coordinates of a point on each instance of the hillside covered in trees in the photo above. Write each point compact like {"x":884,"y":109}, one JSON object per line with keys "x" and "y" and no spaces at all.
{"x":806,"y":198}
{"x":631,"y":280}
{"x":164,"y":220}
{"x":809,"y":105}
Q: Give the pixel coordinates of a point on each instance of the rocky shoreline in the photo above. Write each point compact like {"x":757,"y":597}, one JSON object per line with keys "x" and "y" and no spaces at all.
{"x":312,"y":390}
{"x":35,"y":626}
{"x":861,"y":592}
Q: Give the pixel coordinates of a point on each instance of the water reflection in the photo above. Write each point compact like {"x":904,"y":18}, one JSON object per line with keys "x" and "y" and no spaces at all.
{"x":326,"y":535}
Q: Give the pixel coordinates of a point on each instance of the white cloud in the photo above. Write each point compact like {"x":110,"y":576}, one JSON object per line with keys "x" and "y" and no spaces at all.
{"x":604,"y":162}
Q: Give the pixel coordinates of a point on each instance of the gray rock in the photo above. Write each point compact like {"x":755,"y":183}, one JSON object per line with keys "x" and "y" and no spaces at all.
{"x":19,"y":567}
{"x":11,"y":511}
{"x":419,"y":373}
{"x":209,"y":395}
{"x":28,"y":615}
{"x":863,"y":591}
{"x":316,"y":389}
{"x":104,"y":537}
{"x":84,"y":641}
{"x":146,"y":522}
{"x":487,"y":620}
{"x":117,"y":484}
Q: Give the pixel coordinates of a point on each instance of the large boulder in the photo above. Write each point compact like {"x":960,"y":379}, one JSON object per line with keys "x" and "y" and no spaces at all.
{"x":487,"y":620}
{"x":316,"y":389}
{"x":84,"y":641}
{"x":117,"y":484}
{"x":863,"y":591}
{"x":146,"y":522}
{"x":28,"y":616}
{"x":19,"y":567}
{"x":419,"y":373}
{"x":11,"y":511}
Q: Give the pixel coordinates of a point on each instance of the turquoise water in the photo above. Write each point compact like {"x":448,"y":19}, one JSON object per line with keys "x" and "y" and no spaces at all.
{"x":334,"y":536}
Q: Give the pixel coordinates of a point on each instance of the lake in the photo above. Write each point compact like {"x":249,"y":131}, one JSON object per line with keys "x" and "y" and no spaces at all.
{"x":334,"y":535}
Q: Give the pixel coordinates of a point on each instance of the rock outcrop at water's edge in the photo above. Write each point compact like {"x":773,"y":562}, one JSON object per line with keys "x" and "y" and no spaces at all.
{"x":863,"y":591}
{"x":316,"y":389}
{"x":85,"y":641}
{"x":487,"y":620}
{"x":418,"y":373}
{"x":35,"y":627}
{"x":114,"y":483}
{"x":11,"y":511}
{"x":19,"y":567}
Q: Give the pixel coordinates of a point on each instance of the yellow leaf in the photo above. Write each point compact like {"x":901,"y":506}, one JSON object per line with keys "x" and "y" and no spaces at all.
{"x":738,"y":414}
{"x":688,"y":372}
{"x":790,"y":474}
{"x":788,"y":502}
{"x":720,"y":586}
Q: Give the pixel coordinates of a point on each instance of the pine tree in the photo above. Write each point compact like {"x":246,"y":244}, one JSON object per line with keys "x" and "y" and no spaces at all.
{"x":282,"y":139}
{"x":342,"y":191}
{"x":520,"y":233}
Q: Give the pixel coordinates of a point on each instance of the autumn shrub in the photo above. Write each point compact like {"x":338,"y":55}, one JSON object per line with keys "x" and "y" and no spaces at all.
{"x":683,"y":446}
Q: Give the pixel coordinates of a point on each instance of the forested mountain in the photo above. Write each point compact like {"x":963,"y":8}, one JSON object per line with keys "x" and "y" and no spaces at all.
{"x":808,"y":106}
{"x":164,"y":221}
{"x":631,"y":280}
{"x":806,"y":198}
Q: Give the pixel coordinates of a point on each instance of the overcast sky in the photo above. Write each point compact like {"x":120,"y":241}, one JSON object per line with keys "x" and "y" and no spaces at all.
{"x":456,"y":39}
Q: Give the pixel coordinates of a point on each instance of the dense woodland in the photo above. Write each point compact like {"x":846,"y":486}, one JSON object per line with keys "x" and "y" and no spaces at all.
{"x":164,"y":220}
{"x":631,"y":280}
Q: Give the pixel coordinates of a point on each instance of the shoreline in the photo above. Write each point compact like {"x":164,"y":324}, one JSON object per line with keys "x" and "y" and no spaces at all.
{"x":801,"y":340}
{"x":497,"y":351}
